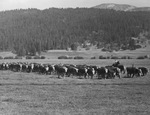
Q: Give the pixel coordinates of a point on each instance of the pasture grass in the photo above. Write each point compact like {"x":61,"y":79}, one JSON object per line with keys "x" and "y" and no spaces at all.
{"x":34,"y":94}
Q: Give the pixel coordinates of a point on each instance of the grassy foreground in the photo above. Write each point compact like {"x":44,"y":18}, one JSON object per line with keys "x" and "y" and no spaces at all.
{"x":34,"y":94}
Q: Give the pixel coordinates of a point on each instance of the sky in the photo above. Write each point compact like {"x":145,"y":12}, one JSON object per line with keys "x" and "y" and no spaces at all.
{"x":43,"y":4}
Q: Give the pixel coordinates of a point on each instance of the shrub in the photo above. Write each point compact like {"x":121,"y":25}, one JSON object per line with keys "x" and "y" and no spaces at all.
{"x":141,"y":57}
{"x":70,"y":58}
{"x":138,"y":46}
{"x":36,"y":57}
{"x":18,"y":57}
{"x":87,"y":48}
{"x":9,"y":57}
{"x":62,"y":57}
{"x":28,"y":57}
{"x":93,"y":57}
{"x":102,"y":57}
{"x":78,"y":57}
{"x":108,"y":57}
{"x":124,"y":57}
{"x":114,"y":57}
{"x":129,"y":57}
{"x":65,"y":57}
{"x":43,"y":57}
{"x":104,"y":50}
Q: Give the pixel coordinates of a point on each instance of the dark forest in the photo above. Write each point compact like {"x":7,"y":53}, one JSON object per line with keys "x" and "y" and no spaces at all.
{"x":32,"y":30}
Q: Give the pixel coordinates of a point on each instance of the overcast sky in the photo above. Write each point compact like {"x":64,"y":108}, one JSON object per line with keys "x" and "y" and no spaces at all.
{"x":43,"y":4}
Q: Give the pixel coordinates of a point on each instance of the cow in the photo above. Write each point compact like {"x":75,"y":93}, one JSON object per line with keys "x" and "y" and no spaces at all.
{"x":95,"y":68}
{"x":24,"y":67}
{"x":132,"y":71}
{"x":42,"y":69}
{"x":91,"y":72}
{"x":71,"y":71}
{"x":51,"y":69}
{"x":30,"y":67}
{"x":16,"y":67}
{"x":102,"y":72}
{"x":144,"y":70}
{"x":36,"y":68}
{"x":82,"y":71}
{"x":60,"y":70}
{"x":4,"y":66}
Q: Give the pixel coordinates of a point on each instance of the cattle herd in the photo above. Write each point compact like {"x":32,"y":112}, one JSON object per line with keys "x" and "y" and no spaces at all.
{"x":80,"y":71}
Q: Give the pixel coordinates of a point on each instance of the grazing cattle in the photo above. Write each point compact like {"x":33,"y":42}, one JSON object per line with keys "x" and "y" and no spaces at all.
{"x":71,"y":71}
{"x":113,"y":72}
{"x":95,"y":68}
{"x":4,"y":66}
{"x":76,"y":70}
{"x":51,"y":69}
{"x":11,"y":66}
{"x":82,"y":72}
{"x":30,"y":67}
{"x":91,"y":72}
{"x":17,"y":67}
{"x":132,"y":71}
{"x":102,"y":72}
{"x":144,"y":70}
{"x":36,"y":67}
{"x":61,"y":70}
{"x":42,"y":69}
{"x":24,"y":67}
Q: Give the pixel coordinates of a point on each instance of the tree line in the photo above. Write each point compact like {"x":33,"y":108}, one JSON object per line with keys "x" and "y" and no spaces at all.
{"x":27,"y":31}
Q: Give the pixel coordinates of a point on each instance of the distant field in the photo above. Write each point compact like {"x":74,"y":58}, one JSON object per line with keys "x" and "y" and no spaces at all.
{"x":87,"y":54}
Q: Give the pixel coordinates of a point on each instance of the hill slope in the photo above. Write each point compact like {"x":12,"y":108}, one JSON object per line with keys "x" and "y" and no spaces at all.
{"x":118,"y":7}
{"x":121,"y":7}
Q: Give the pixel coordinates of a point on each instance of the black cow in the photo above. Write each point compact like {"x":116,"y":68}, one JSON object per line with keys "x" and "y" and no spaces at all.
{"x":144,"y":70}
{"x":102,"y":72}
{"x":36,"y":67}
{"x":82,"y":71}
{"x":4,"y":66}
{"x":60,"y":70}
{"x":29,"y":67}
{"x":43,"y":69}
{"x":17,"y":67}
{"x":50,"y":68}
{"x":71,"y":71}
{"x":91,"y":72}
{"x":132,"y":71}
{"x":24,"y":67}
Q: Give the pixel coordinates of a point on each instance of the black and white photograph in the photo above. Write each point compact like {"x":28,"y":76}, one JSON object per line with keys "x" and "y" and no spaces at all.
{"x":74,"y":57}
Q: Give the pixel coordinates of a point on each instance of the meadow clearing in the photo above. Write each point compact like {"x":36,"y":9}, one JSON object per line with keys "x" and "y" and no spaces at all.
{"x":34,"y":94}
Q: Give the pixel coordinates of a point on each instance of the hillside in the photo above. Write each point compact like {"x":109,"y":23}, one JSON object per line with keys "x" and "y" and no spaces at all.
{"x":141,"y":9}
{"x":121,"y":7}
{"x":27,"y":31}
{"x":117,"y":7}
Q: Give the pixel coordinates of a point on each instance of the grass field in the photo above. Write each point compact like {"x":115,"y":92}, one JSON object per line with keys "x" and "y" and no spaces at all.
{"x":87,"y":54}
{"x":34,"y":94}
